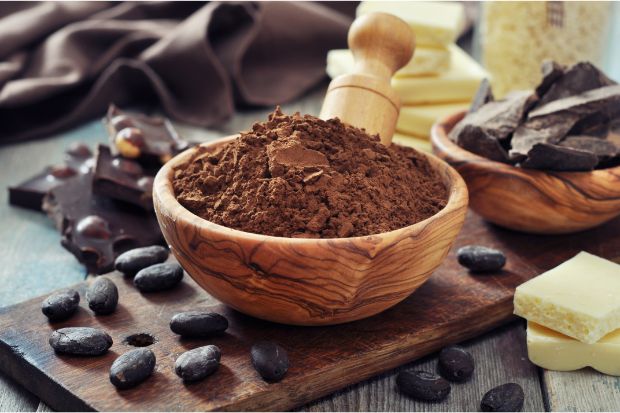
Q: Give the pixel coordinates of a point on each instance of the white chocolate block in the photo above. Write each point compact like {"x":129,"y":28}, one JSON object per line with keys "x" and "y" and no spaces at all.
{"x":555,"y":351}
{"x":458,"y":84}
{"x":578,"y":298}
{"x":434,"y":23}
{"x":420,"y":143}
{"x":418,"y":120}
{"x":425,"y":61}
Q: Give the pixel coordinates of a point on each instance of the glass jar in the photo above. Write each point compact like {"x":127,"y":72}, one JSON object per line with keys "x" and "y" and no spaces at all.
{"x":516,"y":37}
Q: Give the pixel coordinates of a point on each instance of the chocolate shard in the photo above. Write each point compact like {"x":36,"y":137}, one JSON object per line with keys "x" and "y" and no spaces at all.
{"x":483,"y":96}
{"x":475,"y":139}
{"x":604,"y":149}
{"x":29,"y":194}
{"x":97,"y":229}
{"x":557,"y":158}
{"x":551,"y":72}
{"x":499,"y":118}
{"x":150,"y":140}
{"x":552,"y":122}
{"x":122,"y":179}
{"x":596,"y":124}
{"x":579,"y":78}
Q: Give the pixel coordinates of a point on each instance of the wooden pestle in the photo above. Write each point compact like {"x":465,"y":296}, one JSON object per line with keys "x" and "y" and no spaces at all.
{"x":381,"y":44}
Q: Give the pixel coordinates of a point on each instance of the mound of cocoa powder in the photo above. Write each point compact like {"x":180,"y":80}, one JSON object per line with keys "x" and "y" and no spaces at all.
{"x":300,"y":176}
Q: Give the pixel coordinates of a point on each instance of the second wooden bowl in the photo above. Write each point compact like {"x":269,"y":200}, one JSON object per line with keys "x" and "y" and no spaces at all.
{"x":529,"y":200}
{"x":308,"y":281}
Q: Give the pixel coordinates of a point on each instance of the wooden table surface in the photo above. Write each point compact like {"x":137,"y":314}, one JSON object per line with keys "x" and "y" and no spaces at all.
{"x":33,"y":263}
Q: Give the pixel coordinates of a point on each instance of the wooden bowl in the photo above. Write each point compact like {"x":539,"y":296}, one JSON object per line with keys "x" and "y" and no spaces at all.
{"x":529,"y":200}
{"x":307,"y":281}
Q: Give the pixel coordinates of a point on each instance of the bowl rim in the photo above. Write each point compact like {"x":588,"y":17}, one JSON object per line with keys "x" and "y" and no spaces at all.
{"x":163,"y":196}
{"x":442,"y":143}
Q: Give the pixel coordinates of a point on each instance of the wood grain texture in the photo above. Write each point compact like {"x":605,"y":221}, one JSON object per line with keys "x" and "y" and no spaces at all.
{"x":307,"y":281}
{"x":381,"y":44}
{"x":451,"y":307}
{"x":494,"y":366}
{"x":531,"y":200}
{"x":14,"y":400}
{"x":583,"y":390}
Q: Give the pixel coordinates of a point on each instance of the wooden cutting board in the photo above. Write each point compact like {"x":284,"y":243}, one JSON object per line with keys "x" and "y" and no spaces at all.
{"x":452,"y":306}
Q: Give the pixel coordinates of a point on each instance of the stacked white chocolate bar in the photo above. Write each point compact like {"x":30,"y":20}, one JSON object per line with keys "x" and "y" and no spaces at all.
{"x":440,"y":79}
{"x":573,"y":314}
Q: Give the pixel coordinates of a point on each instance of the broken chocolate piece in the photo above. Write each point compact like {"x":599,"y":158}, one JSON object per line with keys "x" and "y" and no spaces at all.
{"x":552,"y":122}
{"x":150,"y":140}
{"x":499,"y":118}
{"x":29,"y":194}
{"x":122,"y":179}
{"x":97,"y":229}
{"x":604,"y":149}
{"x":557,"y":158}
{"x":551,"y":72}
{"x":483,"y":96}
{"x":474,"y":139}
{"x":579,"y":78}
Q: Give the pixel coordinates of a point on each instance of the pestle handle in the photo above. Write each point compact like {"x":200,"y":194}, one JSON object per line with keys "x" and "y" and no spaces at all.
{"x":381,"y":44}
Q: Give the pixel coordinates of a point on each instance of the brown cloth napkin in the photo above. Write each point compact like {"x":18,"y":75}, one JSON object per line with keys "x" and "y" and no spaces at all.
{"x":61,"y":63}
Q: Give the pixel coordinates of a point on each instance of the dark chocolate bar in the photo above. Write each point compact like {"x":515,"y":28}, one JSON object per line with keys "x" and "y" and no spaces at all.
{"x":551,"y":72}
{"x":150,"y":140}
{"x":29,"y":194}
{"x":475,"y":139}
{"x":579,"y":78}
{"x":483,"y":95}
{"x":557,"y":158}
{"x":498,"y":118}
{"x":604,"y":149}
{"x":552,"y":122}
{"x":96,"y":229}
{"x":122,"y":179}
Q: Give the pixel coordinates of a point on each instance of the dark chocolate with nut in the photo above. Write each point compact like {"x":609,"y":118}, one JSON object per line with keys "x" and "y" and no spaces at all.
{"x":97,"y":229}
{"x":122,"y":179}
{"x":556,"y":128}
{"x":30,"y":193}
{"x":150,"y":140}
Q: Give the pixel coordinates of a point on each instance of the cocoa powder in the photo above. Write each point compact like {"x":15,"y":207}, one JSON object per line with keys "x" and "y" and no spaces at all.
{"x":300,"y":176}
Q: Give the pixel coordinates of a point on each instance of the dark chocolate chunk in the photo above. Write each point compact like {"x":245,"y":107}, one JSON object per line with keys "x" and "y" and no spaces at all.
{"x":151,"y":140}
{"x":481,"y":259}
{"x":270,"y":360}
{"x":558,"y":158}
{"x":483,"y":96}
{"x":550,"y":123}
{"x":604,"y":149}
{"x":508,"y":397}
{"x":455,"y":364}
{"x":102,"y":296}
{"x":132,"y":368}
{"x":158,"y":277}
{"x":596,"y":124}
{"x":61,"y":305}
{"x":198,"y":324}
{"x":196,"y":364}
{"x":551,"y":72}
{"x":579,"y":78}
{"x":122,"y":179}
{"x":424,"y":386}
{"x":30,"y":193}
{"x":498,"y":118}
{"x":96,"y":229}
{"x":476,"y":140}
{"x":132,"y":261}
{"x":80,"y":341}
